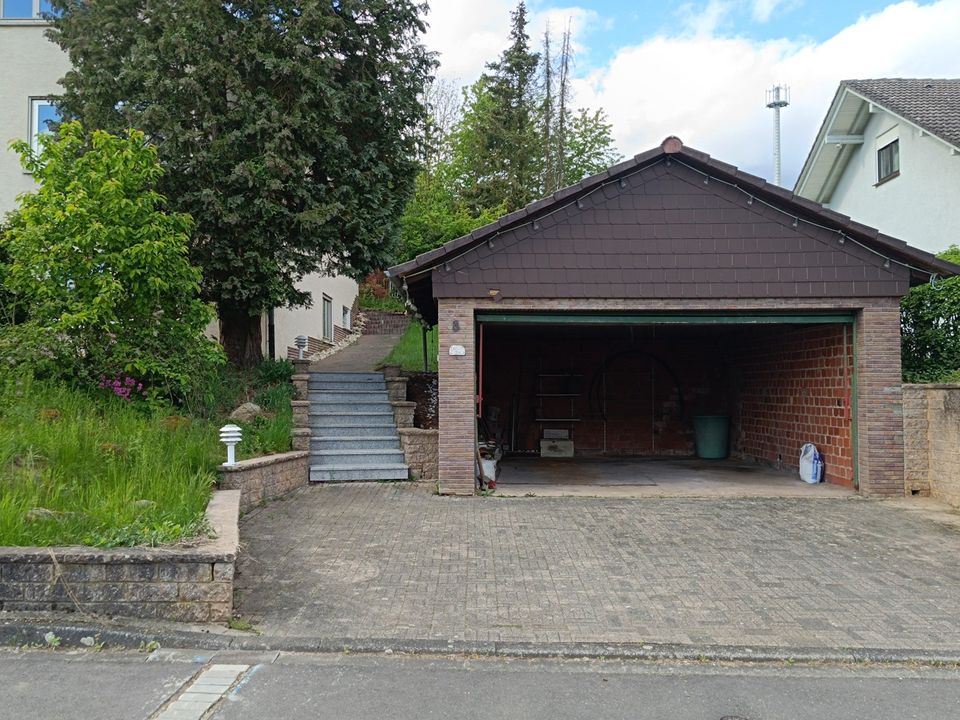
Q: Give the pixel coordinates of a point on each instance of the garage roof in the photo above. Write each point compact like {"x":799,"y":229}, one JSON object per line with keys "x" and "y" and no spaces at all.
{"x":669,"y":223}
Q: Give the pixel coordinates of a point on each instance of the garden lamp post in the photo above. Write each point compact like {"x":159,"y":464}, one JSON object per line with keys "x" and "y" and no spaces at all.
{"x":231,"y":435}
{"x":301,"y":343}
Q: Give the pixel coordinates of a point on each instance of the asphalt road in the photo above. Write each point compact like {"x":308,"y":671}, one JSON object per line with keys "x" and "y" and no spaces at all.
{"x":61,"y":684}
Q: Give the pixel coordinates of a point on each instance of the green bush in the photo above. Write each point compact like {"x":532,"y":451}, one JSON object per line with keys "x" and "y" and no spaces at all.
{"x":99,"y":271}
{"x":930,"y":329}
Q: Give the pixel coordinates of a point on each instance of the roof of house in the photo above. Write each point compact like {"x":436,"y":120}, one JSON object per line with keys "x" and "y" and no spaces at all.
{"x":930,"y":104}
{"x":669,"y":223}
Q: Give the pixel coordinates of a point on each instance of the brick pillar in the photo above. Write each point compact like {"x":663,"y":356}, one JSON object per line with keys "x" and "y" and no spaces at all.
{"x":457,"y":393}
{"x":880,"y":401}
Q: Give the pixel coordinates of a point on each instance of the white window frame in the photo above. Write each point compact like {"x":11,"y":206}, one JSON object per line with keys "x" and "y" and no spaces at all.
{"x":345,"y":317}
{"x":34,"y":12}
{"x":35,"y":104}
{"x":327,"y":317}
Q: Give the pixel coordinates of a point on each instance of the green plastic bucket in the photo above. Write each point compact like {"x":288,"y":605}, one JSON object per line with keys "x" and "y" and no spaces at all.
{"x":711,"y":434}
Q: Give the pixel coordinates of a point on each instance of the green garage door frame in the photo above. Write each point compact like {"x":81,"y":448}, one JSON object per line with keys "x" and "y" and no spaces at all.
{"x":704,"y":318}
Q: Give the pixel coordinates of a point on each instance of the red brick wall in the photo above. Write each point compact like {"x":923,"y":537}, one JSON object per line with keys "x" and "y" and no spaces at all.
{"x":880,"y":400}
{"x":879,"y":417}
{"x":457,"y":393}
{"x":793,"y":385}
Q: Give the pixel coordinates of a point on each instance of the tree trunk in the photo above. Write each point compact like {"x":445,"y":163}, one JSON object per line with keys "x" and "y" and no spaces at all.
{"x":241,"y":336}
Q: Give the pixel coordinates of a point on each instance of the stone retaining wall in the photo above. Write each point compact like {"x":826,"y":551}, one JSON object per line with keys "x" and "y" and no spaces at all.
{"x":420,"y":452}
{"x":381,"y":322}
{"x":931,"y":431}
{"x":189,"y":584}
{"x":265,"y":478}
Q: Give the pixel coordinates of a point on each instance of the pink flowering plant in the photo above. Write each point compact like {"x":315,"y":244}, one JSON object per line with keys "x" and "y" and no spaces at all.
{"x":123,"y":386}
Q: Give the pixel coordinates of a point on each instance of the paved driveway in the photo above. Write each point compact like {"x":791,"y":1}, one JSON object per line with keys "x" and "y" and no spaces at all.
{"x":391,"y":561}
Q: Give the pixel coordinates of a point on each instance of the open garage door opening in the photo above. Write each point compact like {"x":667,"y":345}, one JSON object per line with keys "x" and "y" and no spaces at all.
{"x":682,"y":402}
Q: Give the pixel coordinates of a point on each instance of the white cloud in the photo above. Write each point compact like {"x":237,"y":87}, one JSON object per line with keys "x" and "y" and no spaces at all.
{"x":761,"y":10}
{"x":709,"y":89}
{"x":702,"y":21}
{"x":468,"y":34}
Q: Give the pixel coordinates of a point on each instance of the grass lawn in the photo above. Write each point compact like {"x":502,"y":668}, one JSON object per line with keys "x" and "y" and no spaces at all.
{"x":82,"y":468}
{"x":408,"y":352}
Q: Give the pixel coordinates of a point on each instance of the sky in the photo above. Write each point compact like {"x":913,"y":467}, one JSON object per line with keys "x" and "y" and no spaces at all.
{"x":699,"y":69}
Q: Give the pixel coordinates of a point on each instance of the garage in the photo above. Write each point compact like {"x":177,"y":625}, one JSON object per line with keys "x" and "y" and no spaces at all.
{"x":586,"y":402}
{"x":630,"y":318}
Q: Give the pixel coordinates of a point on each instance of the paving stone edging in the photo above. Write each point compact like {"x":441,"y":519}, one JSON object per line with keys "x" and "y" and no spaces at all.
{"x":188,"y":583}
{"x":16,"y":634}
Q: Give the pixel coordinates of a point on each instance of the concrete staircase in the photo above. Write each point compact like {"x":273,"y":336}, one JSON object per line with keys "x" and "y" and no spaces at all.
{"x":353,"y":436}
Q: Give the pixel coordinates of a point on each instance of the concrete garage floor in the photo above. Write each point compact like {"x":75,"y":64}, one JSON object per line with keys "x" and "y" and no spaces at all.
{"x":652,"y":477}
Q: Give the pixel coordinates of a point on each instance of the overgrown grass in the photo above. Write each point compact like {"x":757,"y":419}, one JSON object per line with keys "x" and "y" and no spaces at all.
{"x":82,"y":469}
{"x":408,"y":352}
{"x":92,"y":469}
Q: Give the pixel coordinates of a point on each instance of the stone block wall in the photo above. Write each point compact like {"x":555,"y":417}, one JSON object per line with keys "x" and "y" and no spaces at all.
{"x":193,"y":584}
{"x":265,"y":478}
{"x":931,"y":430}
{"x":420,"y":452}
{"x":381,"y":322}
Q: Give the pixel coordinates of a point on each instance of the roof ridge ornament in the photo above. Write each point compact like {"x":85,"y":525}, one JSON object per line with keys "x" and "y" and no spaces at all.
{"x":672,"y":145}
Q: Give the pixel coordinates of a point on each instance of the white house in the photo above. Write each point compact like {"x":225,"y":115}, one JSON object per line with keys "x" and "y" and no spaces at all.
{"x":888,"y":155}
{"x":30,"y":69}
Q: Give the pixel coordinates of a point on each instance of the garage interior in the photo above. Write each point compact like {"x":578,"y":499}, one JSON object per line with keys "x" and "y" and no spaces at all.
{"x":622,"y":394}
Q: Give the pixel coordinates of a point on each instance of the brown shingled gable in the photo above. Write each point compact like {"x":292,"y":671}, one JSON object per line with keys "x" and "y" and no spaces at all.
{"x":658,"y":226}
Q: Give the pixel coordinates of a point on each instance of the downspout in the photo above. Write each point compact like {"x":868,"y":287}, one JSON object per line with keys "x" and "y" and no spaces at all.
{"x":271,"y":336}
{"x":423,"y":335}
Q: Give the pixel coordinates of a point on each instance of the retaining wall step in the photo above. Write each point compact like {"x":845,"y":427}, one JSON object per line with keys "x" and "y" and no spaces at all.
{"x":352,"y":473}
{"x":353,"y":442}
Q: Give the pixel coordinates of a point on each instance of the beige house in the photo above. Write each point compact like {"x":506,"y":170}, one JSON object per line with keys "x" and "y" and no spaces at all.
{"x":888,"y":155}
{"x":32,"y":67}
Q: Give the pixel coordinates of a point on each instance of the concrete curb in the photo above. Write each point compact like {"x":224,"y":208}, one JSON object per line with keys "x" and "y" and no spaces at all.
{"x":16,"y":634}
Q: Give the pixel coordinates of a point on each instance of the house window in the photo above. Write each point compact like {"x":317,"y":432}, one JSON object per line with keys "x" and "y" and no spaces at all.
{"x":327,"y":318}
{"x":23,"y":9}
{"x":43,"y":115}
{"x":345,"y":317}
{"x":888,"y":161}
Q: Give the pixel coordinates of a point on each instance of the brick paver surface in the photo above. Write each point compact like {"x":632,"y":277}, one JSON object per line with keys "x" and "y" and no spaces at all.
{"x":391,"y":561}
